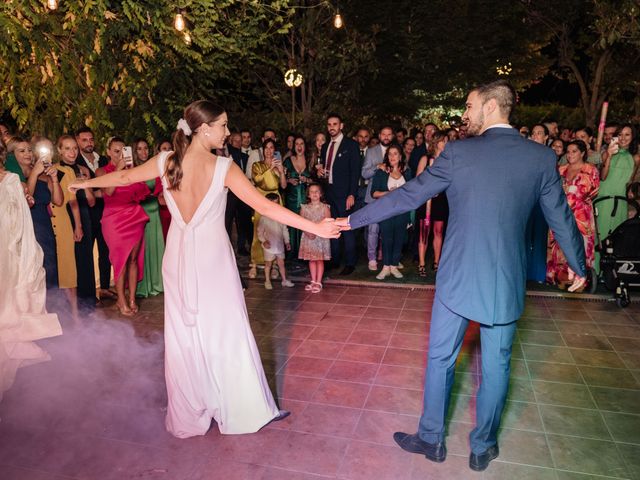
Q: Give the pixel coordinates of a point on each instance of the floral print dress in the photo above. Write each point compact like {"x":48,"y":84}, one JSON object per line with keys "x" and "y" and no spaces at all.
{"x":580,"y":191}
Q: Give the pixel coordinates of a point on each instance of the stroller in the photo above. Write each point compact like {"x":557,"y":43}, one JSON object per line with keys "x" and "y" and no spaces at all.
{"x":620,"y":252}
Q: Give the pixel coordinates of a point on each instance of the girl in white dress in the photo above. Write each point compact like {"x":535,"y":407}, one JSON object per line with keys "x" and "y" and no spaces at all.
{"x":212,"y":364}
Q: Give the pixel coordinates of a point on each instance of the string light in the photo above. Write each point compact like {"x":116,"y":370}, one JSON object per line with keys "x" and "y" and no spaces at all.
{"x":187,"y":38}
{"x":337,"y":21}
{"x":179,"y":22}
{"x":52,"y":4}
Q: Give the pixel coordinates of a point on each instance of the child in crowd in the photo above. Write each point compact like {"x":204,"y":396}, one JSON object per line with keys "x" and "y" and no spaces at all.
{"x":274,"y":238}
{"x":312,"y":247}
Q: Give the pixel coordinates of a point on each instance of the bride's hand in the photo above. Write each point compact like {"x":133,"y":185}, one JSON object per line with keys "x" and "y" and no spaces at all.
{"x":327,"y":228}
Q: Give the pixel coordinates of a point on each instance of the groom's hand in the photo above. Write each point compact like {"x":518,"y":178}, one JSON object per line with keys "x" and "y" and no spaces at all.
{"x":343,"y":223}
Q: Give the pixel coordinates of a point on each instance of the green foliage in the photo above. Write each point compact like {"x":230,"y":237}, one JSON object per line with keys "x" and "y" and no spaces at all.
{"x":121,"y":67}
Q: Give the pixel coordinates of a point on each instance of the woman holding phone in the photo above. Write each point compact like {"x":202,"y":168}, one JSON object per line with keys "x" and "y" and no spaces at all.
{"x":212,"y":364}
{"x":268,"y":176}
{"x":618,"y":162}
{"x":123,"y":223}
{"x":42,"y":184}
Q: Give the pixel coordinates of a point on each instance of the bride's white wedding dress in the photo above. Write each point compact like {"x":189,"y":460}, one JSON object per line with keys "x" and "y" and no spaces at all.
{"x":212,"y":364}
{"x":23,"y":317}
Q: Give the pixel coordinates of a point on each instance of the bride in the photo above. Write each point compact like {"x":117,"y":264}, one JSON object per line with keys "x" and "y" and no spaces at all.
{"x":212,"y":364}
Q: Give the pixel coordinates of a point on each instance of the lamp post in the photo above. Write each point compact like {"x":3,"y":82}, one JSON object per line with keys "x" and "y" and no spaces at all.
{"x":293,"y":79}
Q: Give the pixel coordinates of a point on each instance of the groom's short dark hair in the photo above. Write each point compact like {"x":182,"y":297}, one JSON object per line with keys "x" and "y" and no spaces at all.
{"x":502,"y":92}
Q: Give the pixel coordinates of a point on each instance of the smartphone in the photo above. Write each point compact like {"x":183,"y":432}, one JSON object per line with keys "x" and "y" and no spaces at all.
{"x":44,"y":155}
{"x":615,"y":139}
{"x":127,"y":155}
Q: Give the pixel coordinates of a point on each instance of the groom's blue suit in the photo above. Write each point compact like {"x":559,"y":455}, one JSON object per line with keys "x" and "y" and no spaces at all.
{"x":492,"y":182}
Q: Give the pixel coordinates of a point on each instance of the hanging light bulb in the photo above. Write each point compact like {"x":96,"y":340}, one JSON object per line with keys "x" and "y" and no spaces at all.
{"x":179,"y":23}
{"x":52,"y":4}
{"x":187,"y":38}
{"x":337,"y":20}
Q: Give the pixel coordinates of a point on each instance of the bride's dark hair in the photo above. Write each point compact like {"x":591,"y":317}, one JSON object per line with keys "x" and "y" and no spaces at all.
{"x":197,"y":113}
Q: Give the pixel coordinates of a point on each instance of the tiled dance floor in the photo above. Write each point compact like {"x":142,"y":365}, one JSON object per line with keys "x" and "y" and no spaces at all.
{"x":349,"y":365}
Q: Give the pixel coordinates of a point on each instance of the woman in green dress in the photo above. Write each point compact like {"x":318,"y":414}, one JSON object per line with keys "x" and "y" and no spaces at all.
{"x":618,"y":163}
{"x":298,"y":177}
{"x":151,"y":283}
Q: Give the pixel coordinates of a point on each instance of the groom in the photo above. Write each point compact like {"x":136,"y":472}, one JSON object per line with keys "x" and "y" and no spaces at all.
{"x":492,"y":182}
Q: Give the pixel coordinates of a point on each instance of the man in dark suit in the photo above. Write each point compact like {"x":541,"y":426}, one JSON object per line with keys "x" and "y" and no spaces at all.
{"x":342,"y":166}
{"x":236,"y":209}
{"x":492,"y":182}
{"x":87,"y":156}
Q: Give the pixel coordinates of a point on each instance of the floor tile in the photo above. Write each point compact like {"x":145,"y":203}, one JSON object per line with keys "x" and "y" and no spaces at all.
{"x":409,"y":341}
{"x":547,"y":353}
{"x":625,"y":344}
{"x":521,"y":415}
{"x":345,"y":394}
{"x":596,"y":358}
{"x":403,"y":377}
{"x":586,"y":455}
{"x":528,"y":448}
{"x":310,"y":453}
{"x":369,"y":337}
{"x":608,"y":377}
{"x":307,"y":366}
{"x":366,"y":461}
{"x":320,"y":349}
{"x":326,"y":420}
{"x":296,"y":388}
{"x":562,"y":394}
{"x":554,"y":372}
{"x":574,"y":421}
{"x":593,"y":342}
{"x":379,"y":427}
{"x":617,"y":399}
{"x":404,"y":357}
{"x":625,"y":427}
{"x":539,"y":337}
{"x":499,"y":470}
{"x":353,"y":371}
{"x":631,"y":455}
{"x":394,"y":400}
{"x":362,"y":353}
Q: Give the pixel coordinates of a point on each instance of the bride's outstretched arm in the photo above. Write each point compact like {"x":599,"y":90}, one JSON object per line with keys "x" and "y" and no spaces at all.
{"x":120,"y":178}
{"x":242,"y":188}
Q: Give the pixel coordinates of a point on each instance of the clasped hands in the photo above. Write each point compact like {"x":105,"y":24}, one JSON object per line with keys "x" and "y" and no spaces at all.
{"x":331,"y":227}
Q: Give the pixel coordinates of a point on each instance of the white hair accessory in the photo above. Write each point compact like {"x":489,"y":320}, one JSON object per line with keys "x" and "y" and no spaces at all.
{"x":184,"y":126}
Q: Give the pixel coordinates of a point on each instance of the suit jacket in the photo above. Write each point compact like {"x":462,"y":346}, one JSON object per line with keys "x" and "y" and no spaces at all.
{"x":102,"y":161}
{"x":492,"y":183}
{"x":372,"y":158}
{"x":346,"y":170}
{"x":239,"y":158}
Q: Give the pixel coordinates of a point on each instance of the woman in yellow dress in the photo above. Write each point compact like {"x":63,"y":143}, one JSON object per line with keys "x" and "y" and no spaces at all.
{"x":66,"y":234}
{"x":268,"y":177}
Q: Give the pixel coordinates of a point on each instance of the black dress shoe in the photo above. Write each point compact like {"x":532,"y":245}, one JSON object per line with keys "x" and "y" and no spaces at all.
{"x":348,"y":270}
{"x":436,"y":452}
{"x":481,"y":462}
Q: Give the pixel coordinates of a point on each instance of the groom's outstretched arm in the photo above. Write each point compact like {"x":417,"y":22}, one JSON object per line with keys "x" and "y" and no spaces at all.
{"x":411,"y":195}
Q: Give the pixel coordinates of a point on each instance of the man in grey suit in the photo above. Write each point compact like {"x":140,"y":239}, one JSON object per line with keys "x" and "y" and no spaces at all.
{"x":492,"y":182}
{"x":372,"y":162}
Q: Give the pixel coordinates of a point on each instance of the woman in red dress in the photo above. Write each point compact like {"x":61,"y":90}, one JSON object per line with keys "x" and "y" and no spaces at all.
{"x":123,"y":223}
{"x":580,"y":181}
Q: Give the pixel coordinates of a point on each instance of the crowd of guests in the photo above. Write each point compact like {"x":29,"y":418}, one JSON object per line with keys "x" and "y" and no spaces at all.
{"x":122,"y":228}
{"x":329,"y":175}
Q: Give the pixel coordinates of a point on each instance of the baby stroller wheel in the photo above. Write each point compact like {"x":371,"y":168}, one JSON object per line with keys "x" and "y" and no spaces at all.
{"x":623,"y":300}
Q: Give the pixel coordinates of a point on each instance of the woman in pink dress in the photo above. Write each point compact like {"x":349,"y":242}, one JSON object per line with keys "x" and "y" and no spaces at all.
{"x":580,"y":181}
{"x":212,"y":364}
{"x":123,"y":222}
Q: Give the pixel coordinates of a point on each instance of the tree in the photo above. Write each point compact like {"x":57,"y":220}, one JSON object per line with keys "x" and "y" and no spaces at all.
{"x":595,"y":43}
{"x":121,"y":66}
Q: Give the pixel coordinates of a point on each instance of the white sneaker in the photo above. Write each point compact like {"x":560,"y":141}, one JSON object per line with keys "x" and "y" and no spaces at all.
{"x":400,"y":266}
{"x":395,"y":272}
{"x":267,"y":285}
{"x":384,"y":273}
{"x":373,"y":265}
{"x":288,"y":283}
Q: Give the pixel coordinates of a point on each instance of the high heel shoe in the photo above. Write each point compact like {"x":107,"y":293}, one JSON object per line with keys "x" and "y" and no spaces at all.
{"x":124,"y":310}
{"x":435,"y":266}
{"x":422,"y":271}
{"x":134,"y":306}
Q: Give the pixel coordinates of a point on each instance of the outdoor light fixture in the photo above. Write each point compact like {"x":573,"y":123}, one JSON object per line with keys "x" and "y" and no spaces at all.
{"x":179,"y":22}
{"x":52,"y":4}
{"x":505,"y":69}
{"x":337,"y":20}
{"x":292,"y":78}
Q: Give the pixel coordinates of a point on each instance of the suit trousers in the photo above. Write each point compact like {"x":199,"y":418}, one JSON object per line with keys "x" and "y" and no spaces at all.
{"x":373,"y":236}
{"x":445,"y":339}
{"x":104,"y":265}
{"x":241,"y":213}
{"x":338,"y":209}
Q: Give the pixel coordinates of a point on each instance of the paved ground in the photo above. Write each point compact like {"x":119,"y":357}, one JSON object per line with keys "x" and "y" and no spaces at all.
{"x":349,"y":365}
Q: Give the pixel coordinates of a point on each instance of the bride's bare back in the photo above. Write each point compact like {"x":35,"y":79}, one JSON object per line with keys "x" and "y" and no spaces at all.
{"x":197,"y":175}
